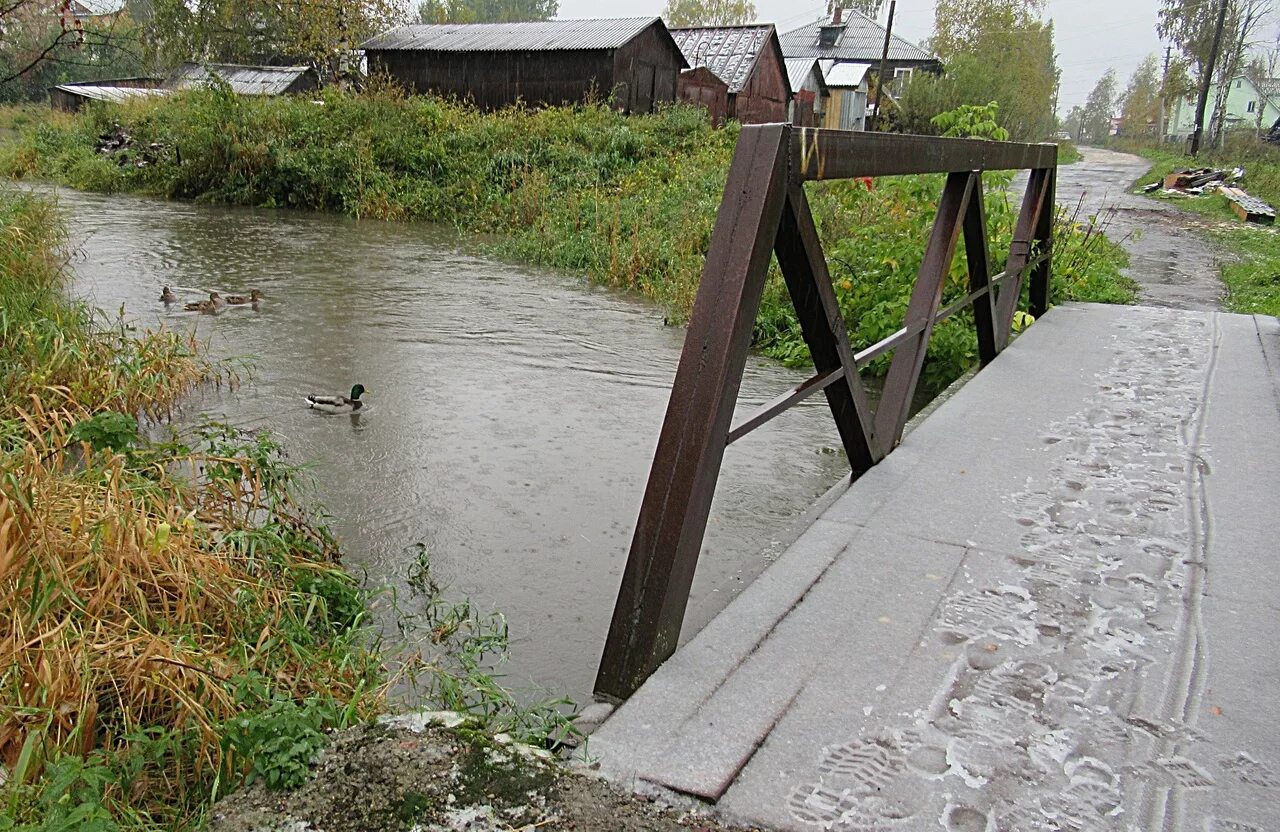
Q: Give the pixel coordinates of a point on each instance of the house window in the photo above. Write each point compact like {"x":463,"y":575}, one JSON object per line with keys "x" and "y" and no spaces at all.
{"x":1253,"y":106}
{"x":901,"y":77}
{"x":1239,"y":84}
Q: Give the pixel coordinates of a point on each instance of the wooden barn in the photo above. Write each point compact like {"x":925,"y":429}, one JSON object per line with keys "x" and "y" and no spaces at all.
{"x":748,"y":59}
{"x":634,"y":60}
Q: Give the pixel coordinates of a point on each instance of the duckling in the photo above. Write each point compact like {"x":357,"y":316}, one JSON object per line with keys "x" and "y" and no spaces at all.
{"x":338,"y":404}
{"x":209,"y":307}
{"x":167,"y":296}
{"x":239,"y":300}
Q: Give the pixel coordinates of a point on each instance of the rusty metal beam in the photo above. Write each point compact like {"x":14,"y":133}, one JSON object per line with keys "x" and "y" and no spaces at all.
{"x":844,"y":154}
{"x":979,"y":258}
{"x":1024,"y":233}
{"x":804,"y":268}
{"x":785,"y":402}
{"x":922,"y":310}
{"x":673,"y":516}
{"x":1043,"y":268}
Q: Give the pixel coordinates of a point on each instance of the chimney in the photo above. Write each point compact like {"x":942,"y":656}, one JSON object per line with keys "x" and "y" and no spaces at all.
{"x":837,"y":15}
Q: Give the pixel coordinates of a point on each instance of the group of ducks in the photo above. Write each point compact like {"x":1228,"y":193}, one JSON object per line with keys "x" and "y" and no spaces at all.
{"x":215,"y":303}
{"x":325,"y":404}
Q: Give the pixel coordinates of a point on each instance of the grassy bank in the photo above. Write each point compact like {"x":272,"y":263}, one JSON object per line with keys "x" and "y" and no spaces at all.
{"x":1251,"y":267}
{"x":170,"y":618}
{"x":628,"y":201}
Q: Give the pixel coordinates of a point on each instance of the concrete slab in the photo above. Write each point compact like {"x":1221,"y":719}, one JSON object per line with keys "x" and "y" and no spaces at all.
{"x":1053,"y":608}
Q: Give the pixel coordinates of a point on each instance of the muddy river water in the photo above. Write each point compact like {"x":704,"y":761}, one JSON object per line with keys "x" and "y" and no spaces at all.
{"x":511,"y":417}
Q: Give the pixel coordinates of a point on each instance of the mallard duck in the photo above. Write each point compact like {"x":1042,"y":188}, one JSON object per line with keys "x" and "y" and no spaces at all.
{"x":338,"y":404}
{"x":167,"y":296}
{"x":239,"y":300}
{"x":210,"y":306}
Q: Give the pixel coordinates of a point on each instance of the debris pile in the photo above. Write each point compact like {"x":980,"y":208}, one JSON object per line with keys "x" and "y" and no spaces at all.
{"x":119,"y":144}
{"x":1184,"y":184}
{"x":1249,"y":208}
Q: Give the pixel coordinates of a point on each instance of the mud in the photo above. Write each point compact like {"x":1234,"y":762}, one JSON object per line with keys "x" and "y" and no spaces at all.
{"x":1171,"y":258}
{"x":407,"y":775}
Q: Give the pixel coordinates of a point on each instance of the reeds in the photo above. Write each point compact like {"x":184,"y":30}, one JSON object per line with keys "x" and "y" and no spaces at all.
{"x":153,"y":595}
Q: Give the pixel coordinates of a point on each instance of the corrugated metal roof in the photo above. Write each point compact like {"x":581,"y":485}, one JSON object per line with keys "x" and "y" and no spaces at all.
{"x":245,"y":80}
{"x":798,"y":70}
{"x":845,"y":74}
{"x":549,"y":35}
{"x":730,"y":52}
{"x":113,"y":94}
{"x":862,"y":41}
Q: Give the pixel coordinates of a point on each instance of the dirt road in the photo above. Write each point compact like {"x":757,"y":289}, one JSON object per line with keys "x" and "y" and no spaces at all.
{"x":1173,"y":260}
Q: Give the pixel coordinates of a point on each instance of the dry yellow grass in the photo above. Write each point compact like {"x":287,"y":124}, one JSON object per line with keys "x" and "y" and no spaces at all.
{"x":130,"y":601}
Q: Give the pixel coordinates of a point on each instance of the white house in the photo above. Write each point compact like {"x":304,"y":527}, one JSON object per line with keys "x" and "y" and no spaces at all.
{"x":1248,"y":108}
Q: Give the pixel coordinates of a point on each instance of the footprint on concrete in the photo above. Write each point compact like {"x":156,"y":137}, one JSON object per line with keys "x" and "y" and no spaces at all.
{"x":1253,"y":772}
{"x":843,"y":811}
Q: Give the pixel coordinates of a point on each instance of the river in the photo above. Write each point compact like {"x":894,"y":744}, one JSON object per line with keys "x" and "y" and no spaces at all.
{"x":511,"y":417}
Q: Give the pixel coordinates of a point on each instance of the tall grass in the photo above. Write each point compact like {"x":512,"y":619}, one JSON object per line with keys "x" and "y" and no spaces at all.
{"x":170,"y":617}
{"x":630,"y":201}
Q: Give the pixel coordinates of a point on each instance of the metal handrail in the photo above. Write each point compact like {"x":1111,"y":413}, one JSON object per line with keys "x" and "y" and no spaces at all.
{"x":765,"y":212}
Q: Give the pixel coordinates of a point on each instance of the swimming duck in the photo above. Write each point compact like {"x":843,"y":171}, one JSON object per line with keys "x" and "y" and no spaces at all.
{"x":338,"y":404}
{"x":209,"y":307}
{"x":168,"y":296}
{"x":239,"y":300}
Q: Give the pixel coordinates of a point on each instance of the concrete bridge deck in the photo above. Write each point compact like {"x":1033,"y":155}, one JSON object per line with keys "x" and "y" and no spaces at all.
{"x":1055,"y":607}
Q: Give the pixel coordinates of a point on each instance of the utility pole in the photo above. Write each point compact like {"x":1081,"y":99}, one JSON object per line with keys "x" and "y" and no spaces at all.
{"x":1208,"y":78}
{"x":884,"y":58}
{"x":1164,"y":88}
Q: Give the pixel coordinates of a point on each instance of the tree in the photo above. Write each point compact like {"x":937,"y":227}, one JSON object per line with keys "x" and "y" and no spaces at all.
{"x":486,"y":11}
{"x":994,"y":50}
{"x":1099,"y":108}
{"x":1140,"y":107}
{"x":1074,"y":122}
{"x":708,"y":12}
{"x":44,"y":43}
{"x":1243,"y":19}
{"x":1190,"y":25}
{"x":320,"y":33}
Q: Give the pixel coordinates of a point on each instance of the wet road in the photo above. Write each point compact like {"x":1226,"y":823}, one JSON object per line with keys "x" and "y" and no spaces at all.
{"x":511,"y":417}
{"x":1172,"y":260}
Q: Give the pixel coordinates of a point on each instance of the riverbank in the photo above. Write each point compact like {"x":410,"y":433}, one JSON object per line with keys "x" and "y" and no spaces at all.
{"x":177,"y":623}
{"x":174,"y":620}
{"x":627,"y":201}
{"x":1251,"y":254}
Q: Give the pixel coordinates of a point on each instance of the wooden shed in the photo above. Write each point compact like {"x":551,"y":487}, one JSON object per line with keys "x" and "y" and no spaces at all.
{"x":634,"y":60}
{"x":809,"y":91}
{"x":749,"y":61}
{"x":247,"y":80}
{"x":704,"y":88}
{"x":73,"y":97}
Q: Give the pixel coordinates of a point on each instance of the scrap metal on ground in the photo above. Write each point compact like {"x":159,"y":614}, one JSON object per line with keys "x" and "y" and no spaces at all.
{"x":1202,"y":181}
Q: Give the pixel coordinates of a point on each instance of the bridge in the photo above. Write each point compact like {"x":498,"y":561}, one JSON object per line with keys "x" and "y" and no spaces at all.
{"x":1052,"y":605}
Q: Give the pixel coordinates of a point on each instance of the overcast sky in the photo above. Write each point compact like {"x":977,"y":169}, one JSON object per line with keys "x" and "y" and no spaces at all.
{"x":1091,"y":34}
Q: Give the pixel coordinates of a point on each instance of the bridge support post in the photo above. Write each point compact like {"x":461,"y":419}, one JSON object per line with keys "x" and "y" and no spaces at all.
{"x":673,"y":517}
